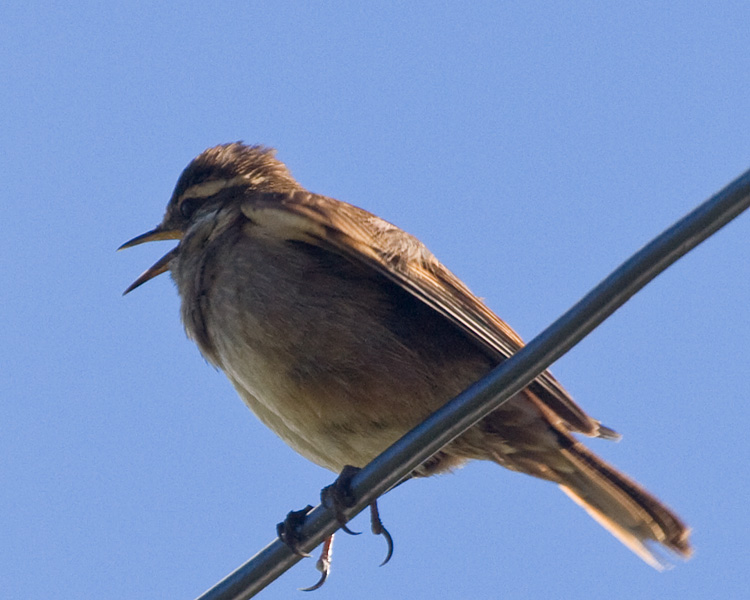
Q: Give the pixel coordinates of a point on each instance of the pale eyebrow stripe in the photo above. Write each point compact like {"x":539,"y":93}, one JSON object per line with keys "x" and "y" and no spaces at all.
{"x":210,"y":188}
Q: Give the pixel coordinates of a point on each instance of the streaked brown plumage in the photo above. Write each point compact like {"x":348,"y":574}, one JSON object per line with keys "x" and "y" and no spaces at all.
{"x":341,"y":332}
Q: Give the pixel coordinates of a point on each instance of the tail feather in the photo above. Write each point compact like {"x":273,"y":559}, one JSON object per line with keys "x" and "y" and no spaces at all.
{"x":621,"y":506}
{"x":526,"y":435}
{"x":627,"y":537}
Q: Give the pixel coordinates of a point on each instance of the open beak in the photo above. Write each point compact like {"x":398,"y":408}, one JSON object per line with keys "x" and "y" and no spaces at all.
{"x":161,"y":265}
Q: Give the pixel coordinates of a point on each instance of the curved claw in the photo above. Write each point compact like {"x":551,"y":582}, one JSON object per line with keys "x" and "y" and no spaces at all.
{"x":318,"y":585}
{"x":389,"y":541}
{"x":379,"y":529}
{"x":345,"y":529}
{"x":323,"y":565}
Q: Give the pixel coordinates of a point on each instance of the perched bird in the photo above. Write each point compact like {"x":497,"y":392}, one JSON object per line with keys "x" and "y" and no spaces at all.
{"x":341,"y":332}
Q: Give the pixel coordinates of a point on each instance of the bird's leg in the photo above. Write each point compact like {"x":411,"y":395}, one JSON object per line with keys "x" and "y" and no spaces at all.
{"x":378,"y":529}
{"x":289,"y":533}
{"x":338,"y":496}
{"x":289,"y":530}
{"x":323,"y":565}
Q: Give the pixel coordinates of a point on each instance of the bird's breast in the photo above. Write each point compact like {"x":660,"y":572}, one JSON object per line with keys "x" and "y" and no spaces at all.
{"x":330,"y":356}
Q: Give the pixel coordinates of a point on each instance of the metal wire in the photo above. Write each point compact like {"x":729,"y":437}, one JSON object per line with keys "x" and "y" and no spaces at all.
{"x":500,"y":385}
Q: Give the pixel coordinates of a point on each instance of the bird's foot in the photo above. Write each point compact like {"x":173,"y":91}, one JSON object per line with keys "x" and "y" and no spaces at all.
{"x":289,"y":530}
{"x":338,"y":496}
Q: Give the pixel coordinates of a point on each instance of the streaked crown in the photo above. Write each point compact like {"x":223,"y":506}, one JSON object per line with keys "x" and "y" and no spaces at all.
{"x":218,"y":171}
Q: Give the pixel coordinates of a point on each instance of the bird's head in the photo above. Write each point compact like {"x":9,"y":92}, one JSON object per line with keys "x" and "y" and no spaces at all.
{"x":217,"y":177}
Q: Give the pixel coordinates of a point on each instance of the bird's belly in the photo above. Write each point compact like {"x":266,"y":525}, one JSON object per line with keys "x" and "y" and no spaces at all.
{"x":315,"y":426}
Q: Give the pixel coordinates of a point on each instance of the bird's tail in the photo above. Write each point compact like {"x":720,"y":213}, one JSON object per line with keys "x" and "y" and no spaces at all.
{"x":620,"y":505}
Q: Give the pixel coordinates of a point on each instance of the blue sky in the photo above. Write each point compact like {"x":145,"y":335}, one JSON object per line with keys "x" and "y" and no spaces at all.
{"x":533,"y":148}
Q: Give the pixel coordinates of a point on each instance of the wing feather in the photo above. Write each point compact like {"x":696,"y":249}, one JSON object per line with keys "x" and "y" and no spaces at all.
{"x":364,"y":237}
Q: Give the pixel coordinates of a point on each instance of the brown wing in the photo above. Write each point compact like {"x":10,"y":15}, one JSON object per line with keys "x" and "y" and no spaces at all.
{"x":361,"y":236}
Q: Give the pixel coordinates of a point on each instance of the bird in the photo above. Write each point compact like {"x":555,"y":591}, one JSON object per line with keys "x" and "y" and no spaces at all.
{"x":342,"y":332}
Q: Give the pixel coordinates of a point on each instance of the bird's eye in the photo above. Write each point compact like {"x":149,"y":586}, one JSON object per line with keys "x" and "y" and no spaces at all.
{"x":189,"y":206}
